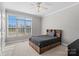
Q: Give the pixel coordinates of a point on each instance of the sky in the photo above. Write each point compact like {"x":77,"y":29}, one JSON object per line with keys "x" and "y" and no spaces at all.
{"x":12,"y":21}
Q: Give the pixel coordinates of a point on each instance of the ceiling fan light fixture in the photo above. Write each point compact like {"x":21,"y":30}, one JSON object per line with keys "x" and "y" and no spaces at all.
{"x":39,"y":6}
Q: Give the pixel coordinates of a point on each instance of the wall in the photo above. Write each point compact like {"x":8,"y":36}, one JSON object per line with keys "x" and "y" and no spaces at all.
{"x":2,"y":29}
{"x":0,"y":32}
{"x":66,"y":20}
{"x":36,"y":26}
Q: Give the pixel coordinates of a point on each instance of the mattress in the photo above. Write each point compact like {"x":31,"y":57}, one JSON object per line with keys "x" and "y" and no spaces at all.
{"x":43,"y":40}
{"x":74,"y":44}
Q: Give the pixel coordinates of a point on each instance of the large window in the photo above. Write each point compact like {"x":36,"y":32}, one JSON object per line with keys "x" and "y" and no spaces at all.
{"x":19,"y":26}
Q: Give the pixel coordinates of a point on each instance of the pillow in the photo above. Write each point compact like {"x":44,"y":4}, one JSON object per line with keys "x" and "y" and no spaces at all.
{"x":51,"y":33}
{"x":58,"y":34}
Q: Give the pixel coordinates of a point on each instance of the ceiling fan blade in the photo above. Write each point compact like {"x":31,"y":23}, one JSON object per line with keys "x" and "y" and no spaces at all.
{"x":38,"y":6}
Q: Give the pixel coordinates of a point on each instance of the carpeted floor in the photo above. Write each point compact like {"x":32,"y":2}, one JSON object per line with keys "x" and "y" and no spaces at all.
{"x":23,"y":49}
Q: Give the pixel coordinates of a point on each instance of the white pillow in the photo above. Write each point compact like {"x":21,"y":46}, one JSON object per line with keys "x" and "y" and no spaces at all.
{"x":51,"y":33}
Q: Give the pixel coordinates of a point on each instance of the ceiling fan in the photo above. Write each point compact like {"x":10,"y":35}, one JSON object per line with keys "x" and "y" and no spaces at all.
{"x":39,"y":6}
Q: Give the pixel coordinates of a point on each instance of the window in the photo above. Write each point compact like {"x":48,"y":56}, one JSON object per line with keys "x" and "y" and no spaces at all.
{"x":12,"y":23}
{"x":28,"y":24}
{"x":19,"y":26}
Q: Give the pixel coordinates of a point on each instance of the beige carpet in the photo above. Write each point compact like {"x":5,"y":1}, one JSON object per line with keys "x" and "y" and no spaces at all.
{"x":23,"y":49}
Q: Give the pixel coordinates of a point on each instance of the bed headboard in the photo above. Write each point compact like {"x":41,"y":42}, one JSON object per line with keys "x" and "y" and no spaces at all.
{"x":57,"y":32}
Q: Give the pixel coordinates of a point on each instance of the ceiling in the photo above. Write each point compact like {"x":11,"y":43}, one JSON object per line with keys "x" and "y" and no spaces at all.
{"x":29,"y":7}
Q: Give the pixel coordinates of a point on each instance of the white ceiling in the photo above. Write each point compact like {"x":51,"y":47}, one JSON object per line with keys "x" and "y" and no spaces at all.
{"x":29,"y":7}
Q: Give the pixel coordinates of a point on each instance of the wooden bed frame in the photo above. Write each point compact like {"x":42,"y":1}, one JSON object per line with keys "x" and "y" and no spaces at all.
{"x":43,"y":49}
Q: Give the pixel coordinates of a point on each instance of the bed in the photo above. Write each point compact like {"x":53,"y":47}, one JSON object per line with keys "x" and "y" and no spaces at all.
{"x":43,"y":43}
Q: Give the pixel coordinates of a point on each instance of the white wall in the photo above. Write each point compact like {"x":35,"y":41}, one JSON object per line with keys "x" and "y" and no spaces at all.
{"x":66,"y":20}
{"x":36,"y":26}
{"x":0,"y":30}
